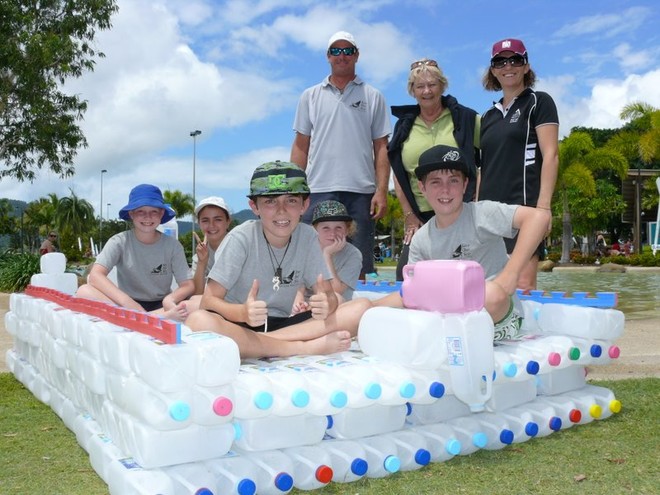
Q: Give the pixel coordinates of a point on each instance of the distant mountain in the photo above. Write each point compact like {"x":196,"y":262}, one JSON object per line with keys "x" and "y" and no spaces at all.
{"x":17,"y":207}
{"x":244,"y":215}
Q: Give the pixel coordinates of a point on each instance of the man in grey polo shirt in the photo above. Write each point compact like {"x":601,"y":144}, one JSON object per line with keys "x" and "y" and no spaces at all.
{"x":342,"y":126}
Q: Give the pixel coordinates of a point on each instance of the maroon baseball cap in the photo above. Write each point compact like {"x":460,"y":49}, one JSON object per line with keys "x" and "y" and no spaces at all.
{"x":509,"y":45}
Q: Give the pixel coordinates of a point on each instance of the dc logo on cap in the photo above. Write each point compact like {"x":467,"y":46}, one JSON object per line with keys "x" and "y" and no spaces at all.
{"x":451,"y":156}
{"x":276,"y":181}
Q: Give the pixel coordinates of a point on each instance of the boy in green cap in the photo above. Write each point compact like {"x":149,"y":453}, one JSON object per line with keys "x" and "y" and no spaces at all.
{"x":261,"y":264}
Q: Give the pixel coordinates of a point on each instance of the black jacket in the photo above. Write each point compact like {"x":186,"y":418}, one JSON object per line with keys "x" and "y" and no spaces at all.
{"x":464,"y":127}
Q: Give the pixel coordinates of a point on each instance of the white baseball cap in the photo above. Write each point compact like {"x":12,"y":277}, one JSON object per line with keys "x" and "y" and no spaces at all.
{"x":342,"y":35}
{"x":212,"y":201}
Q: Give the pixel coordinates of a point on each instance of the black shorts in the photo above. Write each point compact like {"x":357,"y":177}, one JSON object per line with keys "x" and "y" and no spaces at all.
{"x":150,"y":305}
{"x":277,"y":322}
{"x":274,"y":322}
{"x":540,"y":249}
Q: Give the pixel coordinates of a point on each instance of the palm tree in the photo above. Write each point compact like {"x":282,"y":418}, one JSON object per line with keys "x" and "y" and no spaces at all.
{"x":39,"y":218}
{"x":645,"y":120}
{"x":392,"y":221}
{"x":639,"y":142}
{"x":74,"y":218}
{"x":579,"y":162}
{"x":182,"y":204}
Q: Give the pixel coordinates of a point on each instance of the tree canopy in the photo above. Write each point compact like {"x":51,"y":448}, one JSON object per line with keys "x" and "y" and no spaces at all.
{"x":44,"y":43}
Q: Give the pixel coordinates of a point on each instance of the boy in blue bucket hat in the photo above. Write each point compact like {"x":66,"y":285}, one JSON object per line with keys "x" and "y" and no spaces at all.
{"x":147,"y":261}
{"x":259,"y":268}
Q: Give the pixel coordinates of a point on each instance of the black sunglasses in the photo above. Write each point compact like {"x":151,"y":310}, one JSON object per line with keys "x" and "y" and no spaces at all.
{"x":514,"y":61}
{"x":348,"y":51}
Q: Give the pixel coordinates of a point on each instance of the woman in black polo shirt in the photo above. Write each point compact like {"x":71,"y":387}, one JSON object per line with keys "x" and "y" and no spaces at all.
{"x":519,"y":141}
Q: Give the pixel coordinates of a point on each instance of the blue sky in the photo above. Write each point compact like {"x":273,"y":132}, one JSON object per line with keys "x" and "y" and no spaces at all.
{"x":235,"y":70}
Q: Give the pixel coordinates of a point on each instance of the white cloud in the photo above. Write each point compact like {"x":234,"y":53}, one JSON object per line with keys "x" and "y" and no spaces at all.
{"x":606,"y":25}
{"x":601,"y":108}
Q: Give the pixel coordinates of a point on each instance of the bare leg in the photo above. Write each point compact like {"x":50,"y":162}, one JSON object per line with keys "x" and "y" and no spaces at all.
{"x":87,"y":291}
{"x":255,"y":345}
{"x":497,"y":301}
{"x":178,"y":313}
{"x":527,"y":277}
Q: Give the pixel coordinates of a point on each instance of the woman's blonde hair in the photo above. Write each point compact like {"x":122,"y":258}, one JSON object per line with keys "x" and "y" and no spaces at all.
{"x":426,"y":66}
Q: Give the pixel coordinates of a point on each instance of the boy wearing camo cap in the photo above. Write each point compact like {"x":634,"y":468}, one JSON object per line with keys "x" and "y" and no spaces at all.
{"x":260,"y":266}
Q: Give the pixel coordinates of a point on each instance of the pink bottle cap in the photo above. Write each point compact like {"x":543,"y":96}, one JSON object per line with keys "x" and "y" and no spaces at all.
{"x":554,"y":359}
{"x":614,"y":351}
{"x":222,"y":406}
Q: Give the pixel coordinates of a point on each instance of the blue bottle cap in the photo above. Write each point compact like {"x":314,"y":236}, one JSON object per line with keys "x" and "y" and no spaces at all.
{"x":330,"y":422}
{"x":437,"y":390}
{"x":246,"y":487}
{"x":532,"y":367}
{"x":510,"y":369}
{"x":422,"y":457}
{"x":596,"y":351}
{"x":392,"y":464}
{"x":506,"y":436}
{"x":284,"y":482}
{"x":480,"y":439}
{"x":263,"y":400}
{"x":179,"y":410}
{"x":203,"y":491}
{"x":453,"y":446}
{"x":373,"y":390}
{"x":555,"y":423}
{"x":300,"y":398}
{"x":238,"y":431}
{"x":407,"y":390}
{"x":531,"y":429}
{"x":409,"y":408}
{"x":359,"y":467}
{"x":338,"y":399}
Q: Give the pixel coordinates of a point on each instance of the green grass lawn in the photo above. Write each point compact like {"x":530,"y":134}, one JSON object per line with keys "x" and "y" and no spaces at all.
{"x":619,"y":455}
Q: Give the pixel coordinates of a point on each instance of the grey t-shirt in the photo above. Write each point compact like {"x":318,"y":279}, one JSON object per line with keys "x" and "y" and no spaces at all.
{"x":476,"y":235}
{"x":342,"y":126}
{"x":244,"y":256}
{"x":145,"y":271}
{"x":348,"y":264}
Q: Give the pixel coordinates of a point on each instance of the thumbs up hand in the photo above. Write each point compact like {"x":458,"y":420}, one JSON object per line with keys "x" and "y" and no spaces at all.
{"x":323,"y":301}
{"x":255,"y":310}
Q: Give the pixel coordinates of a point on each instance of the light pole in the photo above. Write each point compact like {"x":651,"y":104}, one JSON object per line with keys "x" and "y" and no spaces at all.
{"x":101,"y":213}
{"x":107,"y":212}
{"x":194,"y":135}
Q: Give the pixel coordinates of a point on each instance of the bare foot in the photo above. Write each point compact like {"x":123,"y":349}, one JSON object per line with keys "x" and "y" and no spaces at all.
{"x":177,"y":313}
{"x":329,"y":344}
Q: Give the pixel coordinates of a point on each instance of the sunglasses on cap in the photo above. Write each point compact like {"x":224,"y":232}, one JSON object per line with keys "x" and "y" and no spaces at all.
{"x":419,"y":63}
{"x":514,"y":61}
{"x":348,"y":51}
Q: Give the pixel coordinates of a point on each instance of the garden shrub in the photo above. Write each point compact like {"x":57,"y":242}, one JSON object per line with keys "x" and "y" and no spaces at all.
{"x":16,"y":270}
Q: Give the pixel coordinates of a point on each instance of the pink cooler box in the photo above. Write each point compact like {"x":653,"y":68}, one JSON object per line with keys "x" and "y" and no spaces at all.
{"x":446,"y":286}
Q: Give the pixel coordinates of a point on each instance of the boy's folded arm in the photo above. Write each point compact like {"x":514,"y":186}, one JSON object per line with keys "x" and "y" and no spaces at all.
{"x":181,"y":293}
{"x":214,"y":299}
